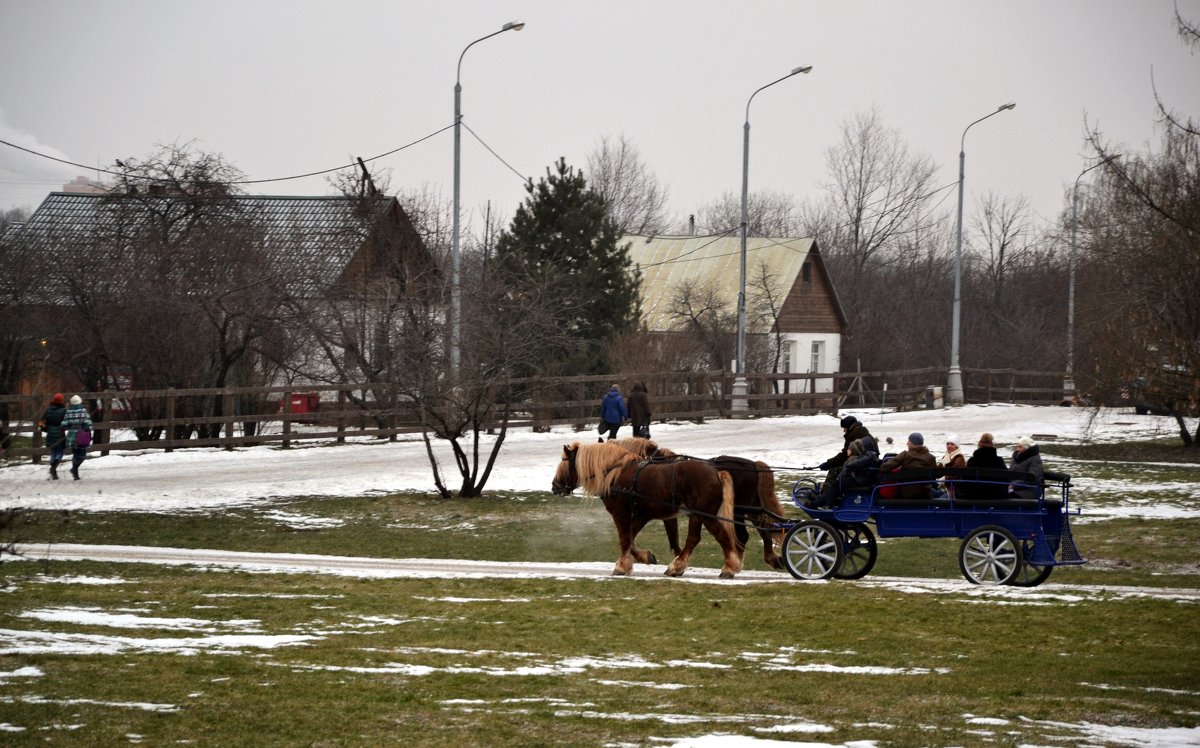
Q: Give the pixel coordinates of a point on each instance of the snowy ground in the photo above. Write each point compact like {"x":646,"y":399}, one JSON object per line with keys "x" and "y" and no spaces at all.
{"x":201,"y":479}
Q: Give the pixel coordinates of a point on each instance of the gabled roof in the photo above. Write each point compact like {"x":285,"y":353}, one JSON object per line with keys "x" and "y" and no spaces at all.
{"x":667,"y":261}
{"x":323,"y":234}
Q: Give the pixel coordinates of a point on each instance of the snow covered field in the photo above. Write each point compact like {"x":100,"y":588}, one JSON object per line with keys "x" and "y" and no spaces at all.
{"x":202,"y":479}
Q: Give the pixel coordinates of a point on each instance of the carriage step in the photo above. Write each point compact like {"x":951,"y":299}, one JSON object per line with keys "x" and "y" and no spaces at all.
{"x":1068,"y":551}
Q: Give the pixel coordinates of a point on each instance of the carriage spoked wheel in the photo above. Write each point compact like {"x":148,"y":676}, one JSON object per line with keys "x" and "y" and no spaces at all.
{"x":812,"y":550}
{"x":859,"y":551}
{"x":1030,"y":575}
{"x":990,"y":555}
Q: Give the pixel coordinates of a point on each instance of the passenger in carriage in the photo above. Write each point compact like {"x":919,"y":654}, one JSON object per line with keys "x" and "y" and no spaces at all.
{"x":914,"y":457}
{"x":851,"y":429}
{"x":985,"y":458}
{"x":860,"y":470}
{"x":1027,"y":458}
{"x":952,"y":459}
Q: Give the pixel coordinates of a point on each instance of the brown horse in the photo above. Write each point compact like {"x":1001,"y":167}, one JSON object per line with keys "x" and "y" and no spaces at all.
{"x":635,"y":492}
{"x":753,"y":491}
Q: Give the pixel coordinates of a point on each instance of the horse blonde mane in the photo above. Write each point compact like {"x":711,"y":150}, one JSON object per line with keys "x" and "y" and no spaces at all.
{"x":597,"y":465}
{"x":643,"y":448}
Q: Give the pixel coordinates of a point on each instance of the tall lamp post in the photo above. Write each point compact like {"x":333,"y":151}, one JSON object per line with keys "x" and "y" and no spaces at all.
{"x":1069,"y":378}
{"x":954,"y":385}
{"x":455,"y":320}
{"x":740,"y":404}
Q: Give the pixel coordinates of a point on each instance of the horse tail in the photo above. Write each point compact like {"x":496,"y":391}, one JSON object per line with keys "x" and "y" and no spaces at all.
{"x":766,"y":489}
{"x":725,"y":513}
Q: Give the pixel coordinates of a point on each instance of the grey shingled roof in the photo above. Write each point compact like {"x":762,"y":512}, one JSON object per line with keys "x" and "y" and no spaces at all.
{"x":322,"y":233}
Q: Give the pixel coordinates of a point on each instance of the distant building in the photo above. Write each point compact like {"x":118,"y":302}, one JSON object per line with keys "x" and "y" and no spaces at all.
{"x":810,"y":320}
{"x":84,"y":186}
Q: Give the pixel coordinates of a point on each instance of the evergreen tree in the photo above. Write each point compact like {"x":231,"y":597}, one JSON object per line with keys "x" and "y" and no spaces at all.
{"x":561,"y":238}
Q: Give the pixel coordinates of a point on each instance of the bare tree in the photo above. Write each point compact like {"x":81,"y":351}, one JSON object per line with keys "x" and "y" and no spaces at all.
{"x":634,"y":197}
{"x":768,"y":213}
{"x":1140,"y":296}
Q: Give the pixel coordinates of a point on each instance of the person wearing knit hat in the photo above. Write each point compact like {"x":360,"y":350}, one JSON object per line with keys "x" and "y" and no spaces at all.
{"x":985,"y":487}
{"x":52,"y":427}
{"x":1027,"y":458}
{"x":77,"y":423}
{"x":914,"y":457}
{"x":954,"y":458}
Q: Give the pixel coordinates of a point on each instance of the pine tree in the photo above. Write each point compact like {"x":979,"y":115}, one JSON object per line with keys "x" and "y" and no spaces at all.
{"x":561,"y":238}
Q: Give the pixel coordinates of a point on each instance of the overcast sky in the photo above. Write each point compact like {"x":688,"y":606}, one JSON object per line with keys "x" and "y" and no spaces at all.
{"x":284,"y":88}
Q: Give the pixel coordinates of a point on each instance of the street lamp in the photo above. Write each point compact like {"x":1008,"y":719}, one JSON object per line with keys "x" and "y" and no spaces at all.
{"x":1069,"y":379}
{"x":740,"y":403}
{"x":954,"y":386}
{"x":455,"y":320}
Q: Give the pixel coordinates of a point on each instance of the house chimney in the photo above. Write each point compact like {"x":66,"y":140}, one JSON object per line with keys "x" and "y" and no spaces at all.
{"x":692,"y":224}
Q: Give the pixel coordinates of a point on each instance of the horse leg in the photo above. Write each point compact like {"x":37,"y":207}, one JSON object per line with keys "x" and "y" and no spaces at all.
{"x":680,"y":564}
{"x":771,"y":539}
{"x":627,"y":530}
{"x":672,"y":527}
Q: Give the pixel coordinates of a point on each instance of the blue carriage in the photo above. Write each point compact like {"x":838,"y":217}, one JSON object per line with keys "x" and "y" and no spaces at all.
{"x":1006,"y":538}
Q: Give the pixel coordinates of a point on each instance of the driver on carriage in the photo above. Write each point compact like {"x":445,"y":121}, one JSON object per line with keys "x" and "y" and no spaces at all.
{"x":860,"y":470}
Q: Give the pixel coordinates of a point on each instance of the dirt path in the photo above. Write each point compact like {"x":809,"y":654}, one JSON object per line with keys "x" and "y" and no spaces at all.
{"x":427,"y":568}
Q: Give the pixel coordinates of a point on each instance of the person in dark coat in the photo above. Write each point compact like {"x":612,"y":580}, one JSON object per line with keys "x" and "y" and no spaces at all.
{"x":56,"y":439}
{"x":860,"y":470}
{"x":851,"y":430}
{"x":985,"y":457}
{"x":1027,"y":458}
{"x":639,"y":410}
{"x":76,"y":419}
{"x":914,"y":457}
{"x":612,"y":412}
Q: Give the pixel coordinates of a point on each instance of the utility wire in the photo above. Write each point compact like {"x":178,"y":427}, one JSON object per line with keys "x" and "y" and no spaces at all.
{"x":524,"y":178}
{"x":242,"y":181}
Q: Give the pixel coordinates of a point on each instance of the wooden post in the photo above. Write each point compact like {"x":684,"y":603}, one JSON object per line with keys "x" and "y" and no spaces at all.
{"x":227,"y":415}
{"x":170,"y":420}
{"x":341,"y":417}
{"x":37,"y":433}
{"x":286,"y":408}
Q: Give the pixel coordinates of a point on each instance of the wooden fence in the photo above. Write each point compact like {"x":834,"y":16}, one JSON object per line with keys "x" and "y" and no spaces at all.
{"x":249,"y":416}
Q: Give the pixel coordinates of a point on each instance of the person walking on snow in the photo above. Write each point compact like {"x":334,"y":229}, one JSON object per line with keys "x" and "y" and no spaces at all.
{"x":77,"y":420}
{"x":52,"y":427}
{"x":612,"y":412}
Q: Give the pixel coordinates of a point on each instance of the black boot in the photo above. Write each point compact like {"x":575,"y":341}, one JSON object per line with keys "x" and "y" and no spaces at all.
{"x":75,"y":471}
{"x":54,"y":472}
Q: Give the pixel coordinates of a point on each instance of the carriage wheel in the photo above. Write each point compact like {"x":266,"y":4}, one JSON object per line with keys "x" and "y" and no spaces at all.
{"x":990,"y":555}
{"x":858,"y":552}
{"x":1030,"y":575}
{"x":812,"y":549}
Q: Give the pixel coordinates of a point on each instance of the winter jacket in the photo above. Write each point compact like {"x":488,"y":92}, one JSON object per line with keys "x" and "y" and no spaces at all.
{"x":612,"y":408}
{"x":857,"y":431}
{"x":861,"y":470}
{"x":74,"y":419}
{"x":913,"y":458}
{"x":1030,"y":463}
{"x":52,"y":425}
{"x":639,"y":407}
{"x":984,"y":458}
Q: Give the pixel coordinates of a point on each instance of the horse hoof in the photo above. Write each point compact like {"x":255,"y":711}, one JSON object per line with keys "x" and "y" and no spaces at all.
{"x":651,"y":558}
{"x":673,"y":572}
{"x":726,"y":574}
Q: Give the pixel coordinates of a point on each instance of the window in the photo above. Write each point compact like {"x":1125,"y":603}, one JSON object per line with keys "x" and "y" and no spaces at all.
{"x":806,"y":272}
{"x":818,"y":351}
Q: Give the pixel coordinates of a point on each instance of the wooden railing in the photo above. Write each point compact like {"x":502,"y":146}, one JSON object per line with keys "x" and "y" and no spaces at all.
{"x":249,"y":416}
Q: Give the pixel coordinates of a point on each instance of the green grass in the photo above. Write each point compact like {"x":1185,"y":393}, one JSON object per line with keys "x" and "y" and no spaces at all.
{"x":541,"y":662}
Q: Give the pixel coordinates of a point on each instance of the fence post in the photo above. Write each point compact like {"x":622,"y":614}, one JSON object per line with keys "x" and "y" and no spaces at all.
{"x":170,"y":419}
{"x":341,"y":418}
{"x":37,"y":433}
{"x":286,"y":408}
{"x":227,"y":415}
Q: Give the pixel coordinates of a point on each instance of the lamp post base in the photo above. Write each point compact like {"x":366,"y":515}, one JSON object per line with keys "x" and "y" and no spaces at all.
{"x":954,"y":387}
{"x":1068,"y":388}
{"x":741,"y":405}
